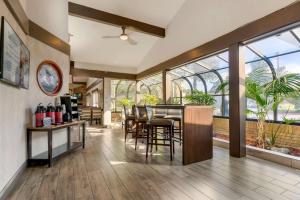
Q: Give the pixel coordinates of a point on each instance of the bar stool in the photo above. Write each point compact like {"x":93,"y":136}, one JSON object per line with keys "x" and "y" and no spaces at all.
{"x":140,"y":122}
{"x":176,"y":115}
{"x":168,"y":127}
{"x":128,"y":118}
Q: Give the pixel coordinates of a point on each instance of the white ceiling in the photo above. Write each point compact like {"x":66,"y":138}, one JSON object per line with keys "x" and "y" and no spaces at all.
{"x":87,"y":45}
{"x":155,"y":12}
{"x":188,"y":23}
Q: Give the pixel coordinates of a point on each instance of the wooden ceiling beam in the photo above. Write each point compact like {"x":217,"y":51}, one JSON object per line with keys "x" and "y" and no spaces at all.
{"x":115,"y":20}
{"x":101,"y":74}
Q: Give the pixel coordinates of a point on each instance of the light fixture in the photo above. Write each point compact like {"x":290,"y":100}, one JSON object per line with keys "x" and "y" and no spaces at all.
{"x":124,"y":37}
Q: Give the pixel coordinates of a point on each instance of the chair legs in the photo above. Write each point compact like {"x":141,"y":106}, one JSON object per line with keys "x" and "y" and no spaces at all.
{"x":126,"y":129}
{"x":152,"y":131}
{"x":136,"y":134}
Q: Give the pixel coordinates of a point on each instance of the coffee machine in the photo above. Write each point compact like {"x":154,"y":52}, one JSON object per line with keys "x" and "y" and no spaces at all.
{"x":67,"y":108}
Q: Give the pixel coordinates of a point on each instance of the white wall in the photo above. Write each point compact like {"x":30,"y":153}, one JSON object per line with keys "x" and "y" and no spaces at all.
{"x":107,"y":102}
{"x":17,"y":105}
{"x":100,"y":91}
{"x":51,"y":15}
{"x":198,"y":22}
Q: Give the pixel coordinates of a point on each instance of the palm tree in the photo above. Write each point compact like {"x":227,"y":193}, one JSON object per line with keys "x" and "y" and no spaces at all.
{"x":267,"y":95}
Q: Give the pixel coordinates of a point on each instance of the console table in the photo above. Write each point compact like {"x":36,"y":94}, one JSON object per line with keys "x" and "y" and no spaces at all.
{"x":54,"y":153}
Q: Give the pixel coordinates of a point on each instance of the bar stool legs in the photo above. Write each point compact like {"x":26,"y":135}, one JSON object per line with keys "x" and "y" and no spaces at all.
{"x":168,"y":131}
{"x":136,"y":134}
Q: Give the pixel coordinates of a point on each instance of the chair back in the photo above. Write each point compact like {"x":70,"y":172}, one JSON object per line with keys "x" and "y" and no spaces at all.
{"x":126,"y":111}
{"x":160,"y":111}
{"x":176,"y":112}
{"x":85,"y":113}
{"x":149,"y":113}
{"x":97,"y":113}
{"x":139,"y":111}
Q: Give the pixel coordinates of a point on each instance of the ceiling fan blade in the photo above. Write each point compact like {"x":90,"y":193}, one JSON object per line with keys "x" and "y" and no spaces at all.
{"x":131,"y":41}
{"x":110,"y":37}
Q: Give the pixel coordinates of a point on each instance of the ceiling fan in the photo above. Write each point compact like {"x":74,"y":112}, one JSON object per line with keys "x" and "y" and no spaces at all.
{"x":124,"y":36}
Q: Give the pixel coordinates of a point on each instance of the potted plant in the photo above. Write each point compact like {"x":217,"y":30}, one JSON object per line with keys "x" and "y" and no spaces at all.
{"x":198,"y":127}
{"x":267,"y":94}
{"x":149,"y":99}
{"x":200,"y":98}
{"x":125,"y":102}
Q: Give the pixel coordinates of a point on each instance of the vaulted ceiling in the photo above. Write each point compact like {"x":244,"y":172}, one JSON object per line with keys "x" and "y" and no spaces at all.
{"x":188,"y":24}
{"x":87,"y":44}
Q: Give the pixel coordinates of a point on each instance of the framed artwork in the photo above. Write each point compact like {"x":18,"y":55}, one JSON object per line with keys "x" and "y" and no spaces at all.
{"x":24,"y":67}
{"x":49,"y":77}
{"x":15,"y":58}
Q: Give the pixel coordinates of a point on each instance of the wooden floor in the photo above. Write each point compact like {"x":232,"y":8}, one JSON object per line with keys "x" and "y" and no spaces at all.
{"x":108,"y":169}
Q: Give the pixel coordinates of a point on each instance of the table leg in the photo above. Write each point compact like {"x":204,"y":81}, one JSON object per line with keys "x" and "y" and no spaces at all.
{"x":29,"y":146}
{"x":50,"y":148}
{"x":83,"y":135}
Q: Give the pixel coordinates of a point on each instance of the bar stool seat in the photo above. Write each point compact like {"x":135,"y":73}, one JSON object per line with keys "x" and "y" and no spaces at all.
{"x":174,"y":117}
{"x":161,"y":122}
{"x":159,"y":115}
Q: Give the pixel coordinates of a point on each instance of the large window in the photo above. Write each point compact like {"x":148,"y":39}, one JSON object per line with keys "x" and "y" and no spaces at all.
{"x":203,"y":75}
{"x":122,"y":89}
{"x":151,"y":85}
{"x":276,"y":56}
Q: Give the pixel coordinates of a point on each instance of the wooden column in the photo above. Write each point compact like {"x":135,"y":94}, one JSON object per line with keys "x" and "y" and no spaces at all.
{"x":166,"y":87}
{"x":237,"y":101}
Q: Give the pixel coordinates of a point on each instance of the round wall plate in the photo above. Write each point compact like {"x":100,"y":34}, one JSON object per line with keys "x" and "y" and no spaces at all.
{"x":49,"y":77}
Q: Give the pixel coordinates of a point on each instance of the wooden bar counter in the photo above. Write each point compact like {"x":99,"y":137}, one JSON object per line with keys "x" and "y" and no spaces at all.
{"x":197,"y":131}
{"x":54,"y":153}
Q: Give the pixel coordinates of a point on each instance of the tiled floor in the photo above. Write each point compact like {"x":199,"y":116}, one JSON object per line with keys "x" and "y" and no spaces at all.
{"x":109,"y":169}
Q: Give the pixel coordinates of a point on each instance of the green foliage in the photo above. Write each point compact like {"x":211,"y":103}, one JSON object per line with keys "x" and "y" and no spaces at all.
{"x":175,"y":100}
{"x":125,"y":102}
{"x":200,"y":98}
{"x":267,"y":94}
{"x":149,"y":99}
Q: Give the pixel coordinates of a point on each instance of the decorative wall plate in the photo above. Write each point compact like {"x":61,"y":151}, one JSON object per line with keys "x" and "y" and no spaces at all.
{"x":49,"y":77}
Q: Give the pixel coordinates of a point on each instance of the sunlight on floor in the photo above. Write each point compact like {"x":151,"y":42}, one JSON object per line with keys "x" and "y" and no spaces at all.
{"x":117,"y":162}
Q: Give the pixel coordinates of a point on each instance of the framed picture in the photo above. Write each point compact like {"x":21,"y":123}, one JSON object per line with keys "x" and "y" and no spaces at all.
{"x":14,"y":58}
{"x":24,"y":67}
{"x":49,"y":77}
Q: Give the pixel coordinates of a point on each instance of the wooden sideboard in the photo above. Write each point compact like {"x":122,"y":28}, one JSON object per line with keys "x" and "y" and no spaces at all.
{"x":54,"y":153}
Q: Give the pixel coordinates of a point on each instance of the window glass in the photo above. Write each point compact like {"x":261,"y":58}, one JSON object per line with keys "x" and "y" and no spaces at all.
{"x":212,"y":82}
{"x":277,"y":44}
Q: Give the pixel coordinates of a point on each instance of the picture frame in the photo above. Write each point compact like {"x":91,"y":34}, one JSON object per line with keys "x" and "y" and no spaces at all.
{"x":49,"y":77}
{"x":14,"y":58}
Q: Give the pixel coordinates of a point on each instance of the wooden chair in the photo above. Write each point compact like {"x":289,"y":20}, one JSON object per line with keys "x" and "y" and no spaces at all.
{"x":167,"y":126}
{"x":140,"y":122}
{"x":97,"y":115}
{"x":129,"y":121}
{"x":159,"y":113}
{"x":86,"y":114}
{"x":176,"y":115}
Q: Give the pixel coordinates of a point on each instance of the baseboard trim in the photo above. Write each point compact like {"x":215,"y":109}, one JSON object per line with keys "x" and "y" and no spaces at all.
{"x":8,"y":188}
{"x":280,"y":158}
